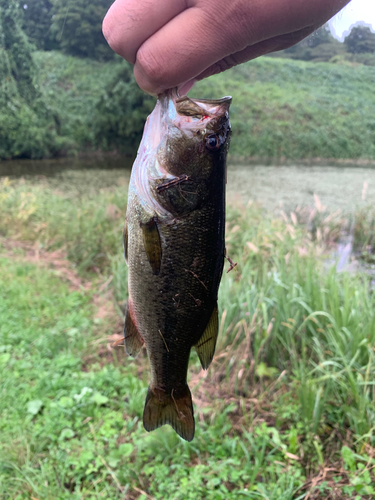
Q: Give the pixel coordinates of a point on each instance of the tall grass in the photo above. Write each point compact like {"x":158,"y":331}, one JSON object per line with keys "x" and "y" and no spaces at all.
{"x":88,"y":225}
{"x":299,"y":315}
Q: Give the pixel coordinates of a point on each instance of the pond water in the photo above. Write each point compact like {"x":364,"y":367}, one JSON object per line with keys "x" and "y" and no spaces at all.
{"x":337,"y":187}
{"x":276,"y":186}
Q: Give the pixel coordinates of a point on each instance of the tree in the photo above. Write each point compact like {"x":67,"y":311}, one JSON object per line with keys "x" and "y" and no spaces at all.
{"x":27,"y":127}
{"x":37,"y":23}
{"x":17,"y":52}
{"x":360,"y":40}
{"x":320,"y":36}
{"x":319,"y":46}
{"x":121,"y":113}
{"x":77,"y":27}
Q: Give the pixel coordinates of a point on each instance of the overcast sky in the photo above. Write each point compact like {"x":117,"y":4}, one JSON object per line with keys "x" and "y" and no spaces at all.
{"x":356,"y":10}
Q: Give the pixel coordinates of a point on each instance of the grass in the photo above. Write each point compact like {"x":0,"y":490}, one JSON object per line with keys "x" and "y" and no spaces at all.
{"x":87,"y":224}
{"x":294,"y":109}
{"x":286,"y":411}
{"x":281,"y":108}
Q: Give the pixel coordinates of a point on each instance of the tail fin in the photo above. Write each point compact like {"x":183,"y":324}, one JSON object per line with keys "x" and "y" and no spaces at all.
{"x":175,"y":409}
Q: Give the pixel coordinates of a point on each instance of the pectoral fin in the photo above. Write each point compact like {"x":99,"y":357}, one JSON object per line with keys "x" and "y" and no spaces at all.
{"x":133,"y":339}
{"x":205,"y":347}
{"x":125,"y":241}
{"x":152,"y":244}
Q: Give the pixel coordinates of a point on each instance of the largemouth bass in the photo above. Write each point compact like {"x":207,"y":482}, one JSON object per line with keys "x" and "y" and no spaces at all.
{"x":174,"y":248}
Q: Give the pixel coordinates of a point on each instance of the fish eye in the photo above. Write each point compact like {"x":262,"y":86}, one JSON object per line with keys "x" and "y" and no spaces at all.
{"x":212,"y":142}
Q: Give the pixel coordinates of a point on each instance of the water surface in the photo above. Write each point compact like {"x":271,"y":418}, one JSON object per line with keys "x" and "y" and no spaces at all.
{"x":338,"y":187}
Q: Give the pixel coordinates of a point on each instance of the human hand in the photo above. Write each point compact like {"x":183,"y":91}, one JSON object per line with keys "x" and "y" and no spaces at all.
{"x":177,"y":42}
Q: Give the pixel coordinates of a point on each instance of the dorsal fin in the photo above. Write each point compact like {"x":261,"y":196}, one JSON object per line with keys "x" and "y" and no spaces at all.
{"x":125,"y":240}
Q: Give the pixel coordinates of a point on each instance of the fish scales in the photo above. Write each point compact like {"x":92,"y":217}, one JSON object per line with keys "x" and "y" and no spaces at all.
{"x":174,"y":246}
{"x":169,"y":300}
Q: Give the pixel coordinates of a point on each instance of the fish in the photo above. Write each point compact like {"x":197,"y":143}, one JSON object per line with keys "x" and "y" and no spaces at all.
{"x":174,"y":248}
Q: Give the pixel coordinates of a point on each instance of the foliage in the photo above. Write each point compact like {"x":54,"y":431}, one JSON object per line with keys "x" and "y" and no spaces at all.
{"x":281,"y":108}
{"x":366,"y":58}
{"x":121,"y":112}
{"x":17,"y":60}
{"x":289,"y":109}
{"x":322,"y":52}
{"x":320,"y":36}
{"x":68,"y":104}
{"x":27,"y":126}
{"x":72,"y":26}
{"x":37,"y":21}
{"x":321,"y":46}
{"x":361,"y":39}
{"x":101,"y":106}
{"x":289,"y":394}
{"x":76,"y":25}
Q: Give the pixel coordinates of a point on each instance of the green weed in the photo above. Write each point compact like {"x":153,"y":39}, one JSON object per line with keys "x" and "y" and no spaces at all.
{"x":88,"y":225}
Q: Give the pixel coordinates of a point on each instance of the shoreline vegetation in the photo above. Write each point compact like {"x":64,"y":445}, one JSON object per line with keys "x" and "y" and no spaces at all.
{"x":82,"y":159}
{"x":108,"y":160}
{"x":282,"y":108}
{"x":285,"y":411}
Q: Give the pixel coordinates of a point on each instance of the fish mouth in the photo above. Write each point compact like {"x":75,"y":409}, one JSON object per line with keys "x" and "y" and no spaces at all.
{"x":175,"y":96}
{"x":205,"y":102}
{"x":202,"y":107}
{"x":172,"y":103}
{"x":222,"y":100}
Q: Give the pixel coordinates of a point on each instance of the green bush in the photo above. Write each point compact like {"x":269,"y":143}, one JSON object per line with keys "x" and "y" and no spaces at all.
{"x":121,"y":113}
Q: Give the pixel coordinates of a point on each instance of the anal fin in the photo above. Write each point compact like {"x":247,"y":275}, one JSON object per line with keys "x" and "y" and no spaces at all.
{"x":133,"y":339}
{"x":174,"y":408}
{"x":205,"y":347}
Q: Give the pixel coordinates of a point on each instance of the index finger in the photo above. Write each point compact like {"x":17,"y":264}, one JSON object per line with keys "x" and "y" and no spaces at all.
{"x":129,"y":23}
{"x":209,"y":31}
